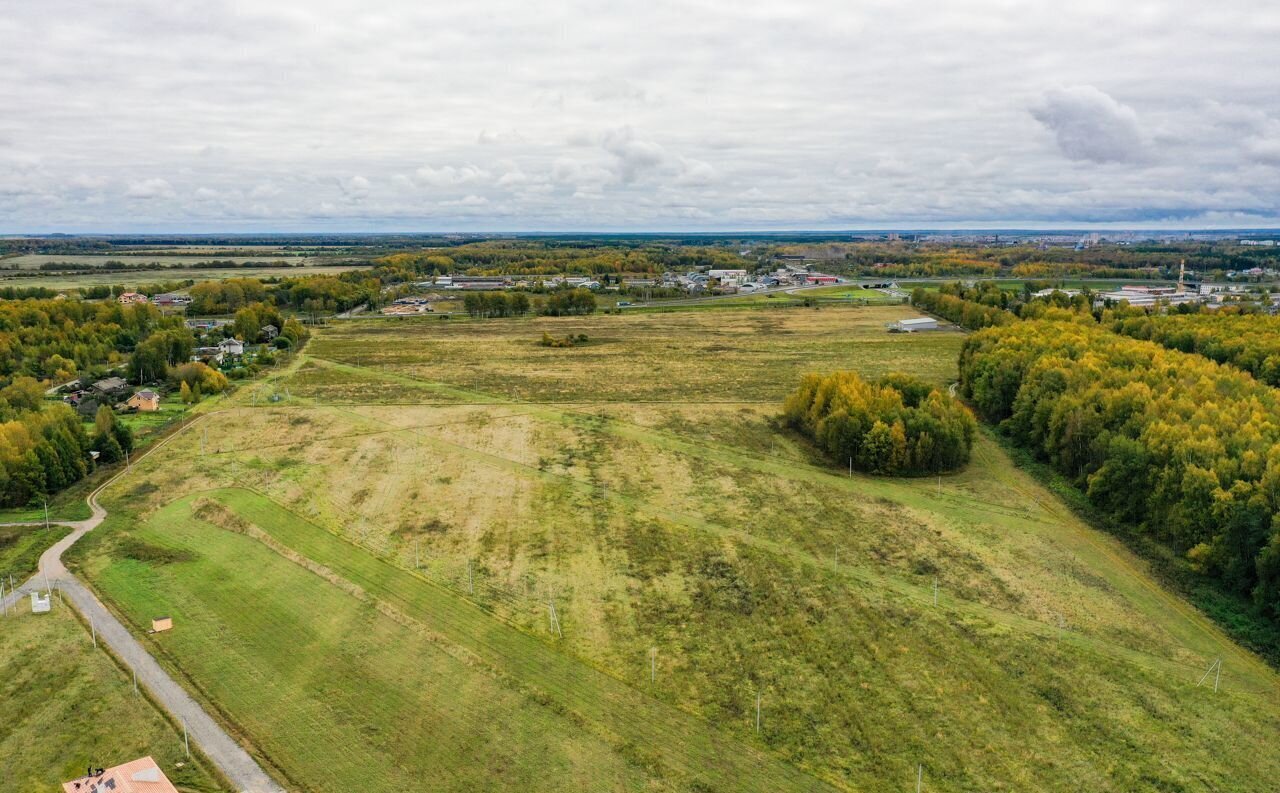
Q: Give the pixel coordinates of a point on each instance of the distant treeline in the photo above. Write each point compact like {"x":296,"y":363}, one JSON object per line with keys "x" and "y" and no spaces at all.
{"x":934,"y":259}
{"x":1170,"y":445}
{"x":539,"y":258}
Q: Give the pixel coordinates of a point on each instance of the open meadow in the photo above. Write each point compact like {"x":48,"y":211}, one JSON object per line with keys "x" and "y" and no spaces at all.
{"x":435,"y":549}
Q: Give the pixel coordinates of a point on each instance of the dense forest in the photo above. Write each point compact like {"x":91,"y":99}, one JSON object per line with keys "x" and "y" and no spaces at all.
{"x":1171,"y":445}
{"x":1248,"y":341}
{"x":895,"y":425}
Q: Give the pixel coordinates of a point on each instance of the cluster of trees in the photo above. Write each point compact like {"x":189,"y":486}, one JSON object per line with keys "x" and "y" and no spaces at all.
{"x":59,"y":339}
{"x":112,"y":439}
{"x":567,"y":302}
{"x":328,"y":293}
{"x":41,"y":451}
{"x":251,"y":319}
{"x":27,"y":293}
{"x":895,"y":425}
{"x":1248,"y":341}
{"x":225,"y":296}
{"x":195,"y":379}
{"x":1173,"y":445}
{"x":496,"y":304}
{"x":965,"y":313}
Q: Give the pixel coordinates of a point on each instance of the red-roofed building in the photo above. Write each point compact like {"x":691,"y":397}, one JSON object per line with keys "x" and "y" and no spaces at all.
{"x":138,"y":776}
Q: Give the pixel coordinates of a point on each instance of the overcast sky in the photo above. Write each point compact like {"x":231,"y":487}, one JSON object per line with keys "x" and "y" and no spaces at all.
{"x":170,"y":115}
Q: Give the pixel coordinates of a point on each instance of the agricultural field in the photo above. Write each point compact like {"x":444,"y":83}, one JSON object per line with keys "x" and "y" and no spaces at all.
{"x":434,"y":549}
{"x":65,"y":705}
{"x":175,"y":270}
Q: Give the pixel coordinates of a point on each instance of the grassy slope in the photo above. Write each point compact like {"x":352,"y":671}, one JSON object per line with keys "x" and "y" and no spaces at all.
{"x":64,"y":705}
{"x":1051,"y":659}
{"x":20,"y":549}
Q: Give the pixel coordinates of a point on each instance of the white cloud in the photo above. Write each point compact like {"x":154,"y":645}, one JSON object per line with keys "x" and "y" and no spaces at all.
{"x":634,"y":157}
{"x":449,"y":176}
{"x":1264,"y":150}
{"x":355,"y":188}
{"x":1090,"y":125}
{"x":468,"y":201}
{"x":148,"y":189}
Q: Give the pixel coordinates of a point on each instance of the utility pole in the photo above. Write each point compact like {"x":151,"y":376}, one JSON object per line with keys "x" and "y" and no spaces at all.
{"x":919,"y":777}
{"x":46,"y":513}
{"x":757,"y":713}
{"x":93,"y":630}
{"x":127,"y":464}
{"x":186,"y":741}
{"x":935,"y":590}
{"x":135,"y":682}
{"x":653,"y":664}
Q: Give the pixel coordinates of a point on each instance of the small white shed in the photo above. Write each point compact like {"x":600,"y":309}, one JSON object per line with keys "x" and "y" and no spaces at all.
{"x":39,"y":605}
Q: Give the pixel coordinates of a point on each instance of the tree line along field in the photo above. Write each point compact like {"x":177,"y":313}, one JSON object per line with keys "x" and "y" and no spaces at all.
{"x":362,"y":574}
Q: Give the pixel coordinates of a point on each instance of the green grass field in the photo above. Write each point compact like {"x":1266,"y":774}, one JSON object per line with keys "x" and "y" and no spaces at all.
{"x":65,"y":705}
{"x":362,"y":575}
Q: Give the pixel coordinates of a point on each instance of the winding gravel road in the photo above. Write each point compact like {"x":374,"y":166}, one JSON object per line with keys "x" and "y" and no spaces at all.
{"x":230,"y":758}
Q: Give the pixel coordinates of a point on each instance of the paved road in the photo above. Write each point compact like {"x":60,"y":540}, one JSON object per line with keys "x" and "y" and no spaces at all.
{"x":230,"y":758}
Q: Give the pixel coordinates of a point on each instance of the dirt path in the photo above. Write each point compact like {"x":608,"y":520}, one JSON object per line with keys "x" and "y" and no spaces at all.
{"x":221,"y":749}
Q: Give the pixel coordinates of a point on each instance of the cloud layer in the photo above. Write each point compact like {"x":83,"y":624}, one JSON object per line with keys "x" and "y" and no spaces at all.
{"x":336,"y":115}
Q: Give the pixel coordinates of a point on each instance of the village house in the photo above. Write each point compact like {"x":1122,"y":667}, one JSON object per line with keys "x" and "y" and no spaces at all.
{"x":231,"y":347}
{"x":110,"y":387}
{"x":269,"y":332}
{"x":146,"y":401}
{"x":126,"y":298}
{"x":137,"y":776}
{"x":207,"y":355}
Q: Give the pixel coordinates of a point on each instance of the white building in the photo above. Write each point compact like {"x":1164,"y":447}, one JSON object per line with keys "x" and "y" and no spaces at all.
{"x":231,"y":346}
{"x":913,"y":325}
{"x":1146,"y":296}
